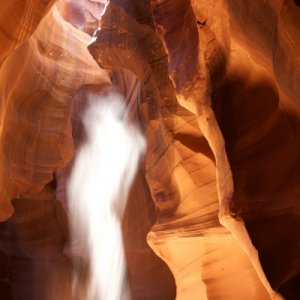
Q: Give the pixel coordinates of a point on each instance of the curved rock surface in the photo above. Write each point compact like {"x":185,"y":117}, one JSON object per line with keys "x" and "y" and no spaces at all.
{"x":215,"y":87}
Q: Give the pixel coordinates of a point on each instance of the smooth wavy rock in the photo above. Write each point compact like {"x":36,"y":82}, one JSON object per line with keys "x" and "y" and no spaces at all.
{"x":258,"y":111}
{"x":33,"y":241}
{"x":196,"y":175}
{"x":38,"y":81}
{"x":243,"y":72}
{"x":18,"y":20}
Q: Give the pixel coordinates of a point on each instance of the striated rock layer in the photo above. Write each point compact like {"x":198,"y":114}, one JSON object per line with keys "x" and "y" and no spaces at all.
{"x":18,"y":20}
{"x":215,"y":87}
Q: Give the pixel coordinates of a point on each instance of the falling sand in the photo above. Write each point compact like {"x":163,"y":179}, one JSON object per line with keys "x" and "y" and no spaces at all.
{"x":103,"y":172}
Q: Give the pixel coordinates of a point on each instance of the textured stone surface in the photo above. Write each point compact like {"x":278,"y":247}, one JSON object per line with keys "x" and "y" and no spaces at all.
{"x":18,"y":20}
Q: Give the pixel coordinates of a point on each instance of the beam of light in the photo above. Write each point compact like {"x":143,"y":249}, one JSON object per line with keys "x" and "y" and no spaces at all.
{"x":103,"y":171}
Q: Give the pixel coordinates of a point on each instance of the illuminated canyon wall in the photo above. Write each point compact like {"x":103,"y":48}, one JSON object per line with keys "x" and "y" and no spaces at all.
{"x":214,"y":86}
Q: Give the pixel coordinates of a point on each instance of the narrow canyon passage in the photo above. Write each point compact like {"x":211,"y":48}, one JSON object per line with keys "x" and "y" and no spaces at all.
{"x":210,"y":92}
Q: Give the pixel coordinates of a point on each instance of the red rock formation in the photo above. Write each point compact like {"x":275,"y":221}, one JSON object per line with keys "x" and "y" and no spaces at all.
{"x":215,"y":86}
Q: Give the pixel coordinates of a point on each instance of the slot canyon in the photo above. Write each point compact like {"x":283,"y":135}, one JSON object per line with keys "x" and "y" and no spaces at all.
{"x":208,"y":126}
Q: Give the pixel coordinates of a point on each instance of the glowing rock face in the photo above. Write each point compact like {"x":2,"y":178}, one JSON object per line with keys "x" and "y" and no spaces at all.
{"x":218,"y":99}
{"x":36,"y":102}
